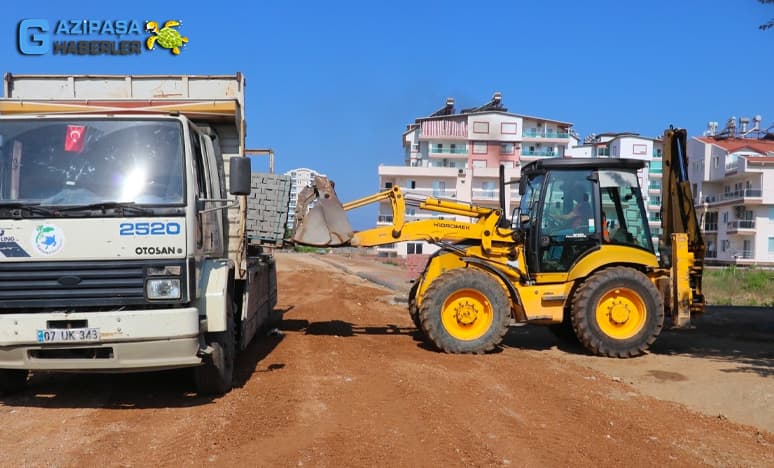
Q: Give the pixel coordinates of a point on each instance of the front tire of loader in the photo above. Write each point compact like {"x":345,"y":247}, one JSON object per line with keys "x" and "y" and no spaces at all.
{"x":465,"y":311}
{"x":412,"y":306}
{"x":216,"y":375}
{"x":617,"y":312}
{"x":12,"y":381}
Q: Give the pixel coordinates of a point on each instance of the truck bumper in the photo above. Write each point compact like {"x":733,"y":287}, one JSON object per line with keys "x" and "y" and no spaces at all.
{"x":130,"y":340}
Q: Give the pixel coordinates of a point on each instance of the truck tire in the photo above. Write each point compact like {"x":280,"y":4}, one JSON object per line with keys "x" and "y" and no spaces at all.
{"x":412,"y":306}
{"x":12,"y":381}
{"x":216,"y":375}
{"x":465,"y":311}
{"x":617,"y":312}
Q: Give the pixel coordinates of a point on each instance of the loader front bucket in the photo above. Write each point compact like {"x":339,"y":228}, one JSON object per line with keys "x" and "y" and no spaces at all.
{"x":326,"y":223}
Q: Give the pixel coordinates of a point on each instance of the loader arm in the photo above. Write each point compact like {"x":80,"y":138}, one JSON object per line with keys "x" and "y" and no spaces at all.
{"x":682,"y":246}
{"x":309,"y":231}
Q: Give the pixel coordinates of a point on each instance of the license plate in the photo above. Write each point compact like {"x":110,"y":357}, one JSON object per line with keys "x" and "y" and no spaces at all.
{"x":68,"y":335}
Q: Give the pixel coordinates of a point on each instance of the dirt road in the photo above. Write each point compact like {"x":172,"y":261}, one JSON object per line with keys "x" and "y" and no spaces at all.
{"x":348,"y":382}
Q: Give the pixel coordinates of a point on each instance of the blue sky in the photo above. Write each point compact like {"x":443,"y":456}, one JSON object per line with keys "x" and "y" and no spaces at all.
{"x":331,"y":85}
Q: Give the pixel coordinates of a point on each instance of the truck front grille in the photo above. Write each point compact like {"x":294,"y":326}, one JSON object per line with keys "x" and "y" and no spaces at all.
{"x":70,"y":284}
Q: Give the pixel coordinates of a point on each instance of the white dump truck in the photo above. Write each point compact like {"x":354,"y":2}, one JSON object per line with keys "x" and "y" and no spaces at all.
{"x":120,"y":248}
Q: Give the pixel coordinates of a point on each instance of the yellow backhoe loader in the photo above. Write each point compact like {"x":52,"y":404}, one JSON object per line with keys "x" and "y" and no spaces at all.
{"x":591,"y":273}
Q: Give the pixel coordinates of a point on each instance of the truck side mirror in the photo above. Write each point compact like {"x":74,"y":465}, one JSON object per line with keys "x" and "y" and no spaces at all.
{"x":239,"y":176}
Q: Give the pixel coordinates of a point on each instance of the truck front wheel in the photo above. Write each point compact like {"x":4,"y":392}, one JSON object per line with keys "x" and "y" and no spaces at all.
{"x":216,"y":375}
{"x":12,"y":381}
{"x":617,"y":312}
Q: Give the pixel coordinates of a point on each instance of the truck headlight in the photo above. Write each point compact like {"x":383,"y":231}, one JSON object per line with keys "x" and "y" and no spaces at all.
{"x":163,"y":289}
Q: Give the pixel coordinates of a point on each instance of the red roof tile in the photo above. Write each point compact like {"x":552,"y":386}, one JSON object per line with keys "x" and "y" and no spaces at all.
{"x":736,"y":144}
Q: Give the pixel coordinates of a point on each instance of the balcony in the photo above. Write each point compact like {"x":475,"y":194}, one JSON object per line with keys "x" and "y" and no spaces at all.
{"x":732,"y":166}
{"x":740,"y":225}
{"x":744,"y":255}
{"x":463,"y":151}
{"x":735,"y":195}
{"x":541,"y":153}
{"x":431,"y":192}
{"x":654,"y":187}
{"x":536,"y":134}
{"x":486,"y":194}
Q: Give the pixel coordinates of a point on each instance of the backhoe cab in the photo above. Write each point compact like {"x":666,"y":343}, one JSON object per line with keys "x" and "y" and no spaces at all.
{"x":577,"y":255}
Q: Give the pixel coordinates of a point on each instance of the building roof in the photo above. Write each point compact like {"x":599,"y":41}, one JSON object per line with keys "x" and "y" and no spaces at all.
{"x":465,"y":114}
{"x":733,"y":145}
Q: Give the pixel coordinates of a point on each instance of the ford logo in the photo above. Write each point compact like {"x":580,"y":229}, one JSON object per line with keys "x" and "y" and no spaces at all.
{"x":69,"y":280}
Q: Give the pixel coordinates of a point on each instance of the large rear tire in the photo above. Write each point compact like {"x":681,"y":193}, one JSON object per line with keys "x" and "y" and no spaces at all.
{"x":216,"y":375}
{"x":12,"y":381}
{"x":465,"y":311}
{"x":617,"y":312}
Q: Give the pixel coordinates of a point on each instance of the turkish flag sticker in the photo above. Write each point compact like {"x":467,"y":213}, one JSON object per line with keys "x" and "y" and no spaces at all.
{"x":75,"y":138}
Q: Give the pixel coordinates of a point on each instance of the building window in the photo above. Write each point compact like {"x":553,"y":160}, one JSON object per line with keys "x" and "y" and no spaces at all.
{"x":508,"y":128}
{"x":411,"y":184}
{"x":725,"y":245}
{"x":506,"y":148}
{"x":488,"y":189}
{"x":479,"y":147}
{"x":771,"y":214}
{"x":508,"y":164}
{"x":725,"y":217}
{"x":480,"y":127}
{"x":414,"y":248}
{"x":439,"y":188}
{"x":771,"y":244}
{"x":479,"y":163}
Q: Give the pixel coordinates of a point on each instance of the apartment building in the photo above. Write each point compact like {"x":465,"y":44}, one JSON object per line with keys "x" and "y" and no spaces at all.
{"x":457,"y":155}
{"x":632,"y":146}
{"x":733,"y":185}
{"x":299,"y":178}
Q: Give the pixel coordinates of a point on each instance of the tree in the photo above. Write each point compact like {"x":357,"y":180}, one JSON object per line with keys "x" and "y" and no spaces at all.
{"x":770,"y":24}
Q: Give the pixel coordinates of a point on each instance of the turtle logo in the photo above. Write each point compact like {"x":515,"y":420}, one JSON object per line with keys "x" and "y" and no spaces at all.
{"x":47,"y":239}
{"x":167,"y":37}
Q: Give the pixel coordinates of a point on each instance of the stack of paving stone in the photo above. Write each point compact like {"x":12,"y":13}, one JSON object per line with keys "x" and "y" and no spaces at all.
{"x":267,"y":208}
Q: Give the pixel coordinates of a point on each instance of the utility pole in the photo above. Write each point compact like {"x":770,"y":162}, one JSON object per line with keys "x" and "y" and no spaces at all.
{"x":265,"y":152}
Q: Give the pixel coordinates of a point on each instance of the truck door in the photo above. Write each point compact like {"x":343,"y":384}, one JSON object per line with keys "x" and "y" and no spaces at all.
{"x":206,"y":223}
{"x":217,"y":191}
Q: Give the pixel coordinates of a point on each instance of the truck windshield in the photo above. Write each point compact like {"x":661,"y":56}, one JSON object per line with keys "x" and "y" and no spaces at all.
{"x":54,"y":162}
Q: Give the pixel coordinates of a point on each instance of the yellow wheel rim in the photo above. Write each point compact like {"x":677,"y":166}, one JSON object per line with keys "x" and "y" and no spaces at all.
{"x":467,"y":314}
{"x":621,"y":313}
